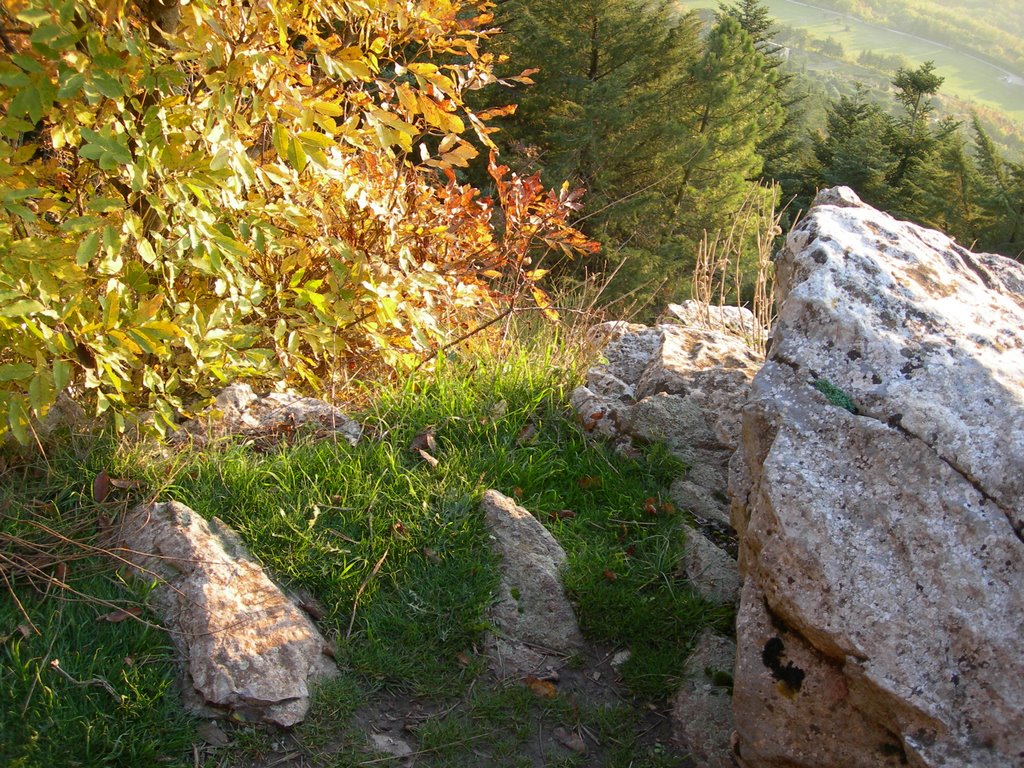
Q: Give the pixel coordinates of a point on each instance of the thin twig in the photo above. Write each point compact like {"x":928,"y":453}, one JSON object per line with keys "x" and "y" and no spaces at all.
{"x":97,"y":681}
{"x":359,"y":592}
{"x":21,"y":608}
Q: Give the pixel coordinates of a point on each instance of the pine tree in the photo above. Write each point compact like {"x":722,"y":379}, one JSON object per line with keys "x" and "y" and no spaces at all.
{"x":852,"y":150}
{"x":912,"y":139}
{"x":786,"y":151}
{"x":601,"y":111}
{"x":728,"y":107}
{"x":1002,"y":197}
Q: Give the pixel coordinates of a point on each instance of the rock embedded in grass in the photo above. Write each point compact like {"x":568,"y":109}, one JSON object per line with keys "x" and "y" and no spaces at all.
{"x":239,"y":412}
{"x":535,"y":625}
{"x":246,"y":649}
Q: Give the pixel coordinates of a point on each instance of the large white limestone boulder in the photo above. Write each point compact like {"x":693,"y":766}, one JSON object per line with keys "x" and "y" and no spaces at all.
{"x":879,"y":498}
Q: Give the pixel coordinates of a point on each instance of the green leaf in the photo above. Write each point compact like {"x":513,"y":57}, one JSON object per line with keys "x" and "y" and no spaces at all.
{"x":146,"y":252}
{"x":61,"y":374}
{"x":40,"y":393}
{"x":16,"y":371}
{"x":88,"y":249}
{"x":21,"y":308}
{"x":17,"y":418}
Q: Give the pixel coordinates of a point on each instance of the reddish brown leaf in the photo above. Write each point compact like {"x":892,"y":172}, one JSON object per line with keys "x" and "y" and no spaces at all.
{"x":545,"y":689}
{"x":588,"y":482}
{"x":630,"y":550}
{"x":424,"y":442}
{"x":517,"y":492}
{"x":463,"y":659}
{"x":526,"y":435}
{"x":120,"y":614}
{"x":668,"y":508}
{"x":101,"y":486}
{"x":610,"y":575}
{"x":650,"y":507}
{"x":563,"y":514}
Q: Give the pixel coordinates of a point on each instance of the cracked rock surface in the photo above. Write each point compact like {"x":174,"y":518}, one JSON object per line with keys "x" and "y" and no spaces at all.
{"x":880,"y":620}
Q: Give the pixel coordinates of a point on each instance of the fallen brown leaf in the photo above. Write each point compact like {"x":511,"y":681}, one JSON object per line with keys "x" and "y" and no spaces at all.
{"x":563,"y":514}
{"x":570,"y":740}
{"x":120,"y":614}
{"x":526,"y":435}
{"x":212,"y":734}
{"x":424,"y":441}
{"x":610,"y":575}
{"x":588,"y":482}
{"x":101,"y":486}
{"x":428,"y":458}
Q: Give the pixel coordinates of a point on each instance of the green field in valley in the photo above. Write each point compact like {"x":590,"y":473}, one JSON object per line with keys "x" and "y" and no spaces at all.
{"x":968,"y":78}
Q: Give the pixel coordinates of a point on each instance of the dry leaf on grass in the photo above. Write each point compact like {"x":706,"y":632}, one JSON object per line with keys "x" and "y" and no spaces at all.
{"x":545,"y":689}
{"x":428,"y":458}
{"x":120,"y":614}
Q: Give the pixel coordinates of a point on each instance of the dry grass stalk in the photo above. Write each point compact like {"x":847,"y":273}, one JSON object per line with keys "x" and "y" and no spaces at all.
{"x":723,"y":258}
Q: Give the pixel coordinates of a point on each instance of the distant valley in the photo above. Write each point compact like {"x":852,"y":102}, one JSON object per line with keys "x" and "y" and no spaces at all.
{"x":839,"y":49}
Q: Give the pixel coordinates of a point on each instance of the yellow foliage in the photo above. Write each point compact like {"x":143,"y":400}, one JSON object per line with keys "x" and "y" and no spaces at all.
{"x":226,"y":189}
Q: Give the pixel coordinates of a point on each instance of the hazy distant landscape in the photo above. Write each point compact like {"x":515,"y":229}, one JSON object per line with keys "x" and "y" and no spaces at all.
{"x":976,"y":46}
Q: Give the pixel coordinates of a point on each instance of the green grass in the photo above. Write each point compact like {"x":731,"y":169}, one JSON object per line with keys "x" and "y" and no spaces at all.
{"x":123,"y":710}
{"x":322,"y":516}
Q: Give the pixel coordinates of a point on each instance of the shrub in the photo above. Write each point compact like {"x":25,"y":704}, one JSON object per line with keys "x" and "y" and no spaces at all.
{"x":193,"y":194}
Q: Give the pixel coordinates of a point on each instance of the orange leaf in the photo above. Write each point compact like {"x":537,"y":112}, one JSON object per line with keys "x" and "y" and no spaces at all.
{"x":545,"y":689}
{"x":544,"y":303}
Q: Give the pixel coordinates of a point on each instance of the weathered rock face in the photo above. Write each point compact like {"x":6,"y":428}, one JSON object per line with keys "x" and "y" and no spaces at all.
{"x":680,"y":385}
{"x":247,"y":648}
{"x":881,"y":620}
{"x":702,"y":710}
{"x":534,"y":621}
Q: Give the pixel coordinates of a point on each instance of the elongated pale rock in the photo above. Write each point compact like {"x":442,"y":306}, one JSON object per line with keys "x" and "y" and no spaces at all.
{"x":246,"y":648}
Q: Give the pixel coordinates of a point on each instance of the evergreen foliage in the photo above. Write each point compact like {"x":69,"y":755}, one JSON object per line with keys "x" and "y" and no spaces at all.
{"x":664,"y":129}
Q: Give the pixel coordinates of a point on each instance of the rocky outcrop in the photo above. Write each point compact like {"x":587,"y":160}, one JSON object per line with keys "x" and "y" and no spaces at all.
{"x":247,"y":649}
{"x":534,"y":623}
{"x":879,"y":499}
{"x":677,"y":384}
{"x":684,"y":385}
